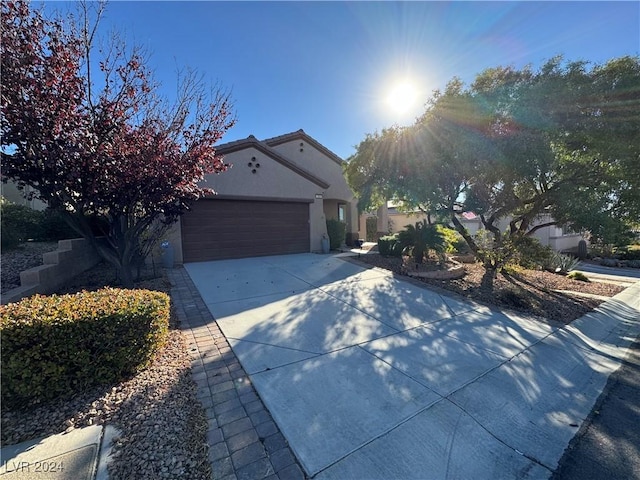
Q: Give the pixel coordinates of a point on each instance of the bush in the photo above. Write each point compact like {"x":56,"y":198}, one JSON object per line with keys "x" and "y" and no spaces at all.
{"x":372,"y":229}
{"x":609,"y":262}
{"x":531,"y":254}
{"x":390,"y":246}
{"x":630,"y":252}
{"x":55,"y":346}
{"x":337,"y":232}
{"x":53,"y":227}
{"x":419,"y":238}
{"x":578,"y":276}
{"x":19,"y":223}
{"x":453,"y":241}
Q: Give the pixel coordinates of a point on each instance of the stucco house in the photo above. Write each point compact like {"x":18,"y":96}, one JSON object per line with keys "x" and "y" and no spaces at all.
{"x":275,"y":199}
{"x":558,"y":237}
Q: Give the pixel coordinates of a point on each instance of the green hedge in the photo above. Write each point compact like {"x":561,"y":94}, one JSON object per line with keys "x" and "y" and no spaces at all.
{"x":336,"y":231}
{"x":58,"y":345}
{"x":372,"y":229}
{"x":390,"y":246}
{"x":20,"y":223}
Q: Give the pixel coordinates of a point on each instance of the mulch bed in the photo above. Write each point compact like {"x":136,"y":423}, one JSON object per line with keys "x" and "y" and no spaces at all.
{"x":528,"y":291}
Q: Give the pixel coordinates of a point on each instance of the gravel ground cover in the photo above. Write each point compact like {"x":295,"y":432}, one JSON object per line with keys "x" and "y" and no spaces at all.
{"x":529,"y":291}
{"x":27,"y":255}
{"x":162,"y":424}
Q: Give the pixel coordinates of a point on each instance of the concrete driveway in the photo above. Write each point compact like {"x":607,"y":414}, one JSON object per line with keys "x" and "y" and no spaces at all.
{"x":373,"y":377}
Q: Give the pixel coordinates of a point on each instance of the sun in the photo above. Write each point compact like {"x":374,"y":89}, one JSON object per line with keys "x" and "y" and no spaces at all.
{"x":402,"y":97}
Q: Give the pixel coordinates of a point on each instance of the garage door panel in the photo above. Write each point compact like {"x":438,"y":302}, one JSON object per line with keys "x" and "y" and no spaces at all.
{"x":217,"y":229}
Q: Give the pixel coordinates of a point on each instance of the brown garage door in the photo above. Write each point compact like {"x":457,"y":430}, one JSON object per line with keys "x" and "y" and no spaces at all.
{"x":217,"y":229}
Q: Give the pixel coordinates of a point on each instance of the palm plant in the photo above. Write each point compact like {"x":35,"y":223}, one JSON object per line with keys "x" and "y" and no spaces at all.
{"x":420,"y":238}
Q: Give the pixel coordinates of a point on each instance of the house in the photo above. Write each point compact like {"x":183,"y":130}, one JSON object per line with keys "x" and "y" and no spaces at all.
{"x":10,"y":191}
{"x":275,"y":199}
{"x":558,"y":237}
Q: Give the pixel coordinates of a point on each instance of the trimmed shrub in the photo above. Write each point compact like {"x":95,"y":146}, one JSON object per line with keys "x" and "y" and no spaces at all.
{"x":58,"y":345}
{"x":390,"y":246}
{"x":578,"y":276}
{"x":372,"y":229}
{"x":336,"y":231}
{"x":453,"y":241}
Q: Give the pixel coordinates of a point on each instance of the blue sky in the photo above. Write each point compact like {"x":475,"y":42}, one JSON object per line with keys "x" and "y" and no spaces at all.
{"x":328,"y":67}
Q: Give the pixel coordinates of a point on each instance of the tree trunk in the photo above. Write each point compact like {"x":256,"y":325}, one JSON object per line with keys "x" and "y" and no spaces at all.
{"x":126,"y":275}
{"x":490,"y":273}
{"x":465,"y":233}
{"x":114,"y":252}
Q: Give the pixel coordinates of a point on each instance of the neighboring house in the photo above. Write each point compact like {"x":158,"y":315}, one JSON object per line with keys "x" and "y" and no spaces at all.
{"x":558,"y":238}
{"x":11,"y":192}
{"x":275,"y":199}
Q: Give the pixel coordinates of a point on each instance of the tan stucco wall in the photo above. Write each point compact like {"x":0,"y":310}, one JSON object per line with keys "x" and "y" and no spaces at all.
{"x":174,"y":236}
{"x":401,"y":220}
{"x":566,"y":242}
{"x":318,"y":226}
{"x":543,"y":235}
{"x":317,"y":163}
{"x":331,"y":208}
{"x":272,"y":179}
{"x":11,"y":192}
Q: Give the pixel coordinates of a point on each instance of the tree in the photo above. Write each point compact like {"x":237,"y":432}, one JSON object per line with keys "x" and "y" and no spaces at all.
{"x":516,"y":144}
{"x":117,"y":153}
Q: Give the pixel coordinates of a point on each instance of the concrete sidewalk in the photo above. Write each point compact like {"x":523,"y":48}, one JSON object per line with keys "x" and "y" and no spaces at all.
{"x":81,"y":454}
{"x":368,"y":376}
{"x":599,"y":273}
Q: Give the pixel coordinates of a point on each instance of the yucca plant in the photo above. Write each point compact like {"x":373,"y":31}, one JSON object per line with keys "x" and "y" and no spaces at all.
{"x":561,"y":263}
{"x":420,"y":238}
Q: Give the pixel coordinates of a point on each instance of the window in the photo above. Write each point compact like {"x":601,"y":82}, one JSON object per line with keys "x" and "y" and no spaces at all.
{"x":342,"y":212}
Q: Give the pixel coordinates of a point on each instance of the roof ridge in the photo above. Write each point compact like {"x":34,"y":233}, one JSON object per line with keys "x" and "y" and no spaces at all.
{"x":280,"y":139}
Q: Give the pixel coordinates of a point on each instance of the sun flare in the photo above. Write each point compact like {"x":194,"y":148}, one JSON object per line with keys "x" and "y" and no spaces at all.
{"x":402,"y":97}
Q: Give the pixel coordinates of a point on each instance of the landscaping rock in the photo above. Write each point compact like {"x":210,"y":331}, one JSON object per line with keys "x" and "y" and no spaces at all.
{"x":162,"y":424}
{"x":533,"y":292}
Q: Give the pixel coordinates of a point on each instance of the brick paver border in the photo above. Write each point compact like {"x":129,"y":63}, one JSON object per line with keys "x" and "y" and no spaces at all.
{"x":244,"y":441}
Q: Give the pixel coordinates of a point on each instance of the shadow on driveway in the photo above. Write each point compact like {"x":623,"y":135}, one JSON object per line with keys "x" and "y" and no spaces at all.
{"x":370,"y":376}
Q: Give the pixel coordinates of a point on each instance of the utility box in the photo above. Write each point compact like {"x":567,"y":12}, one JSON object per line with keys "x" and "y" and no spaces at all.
{"x":167,"y":254}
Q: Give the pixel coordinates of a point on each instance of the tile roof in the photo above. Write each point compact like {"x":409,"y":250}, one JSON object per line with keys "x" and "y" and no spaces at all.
{"x":302,"y":135}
